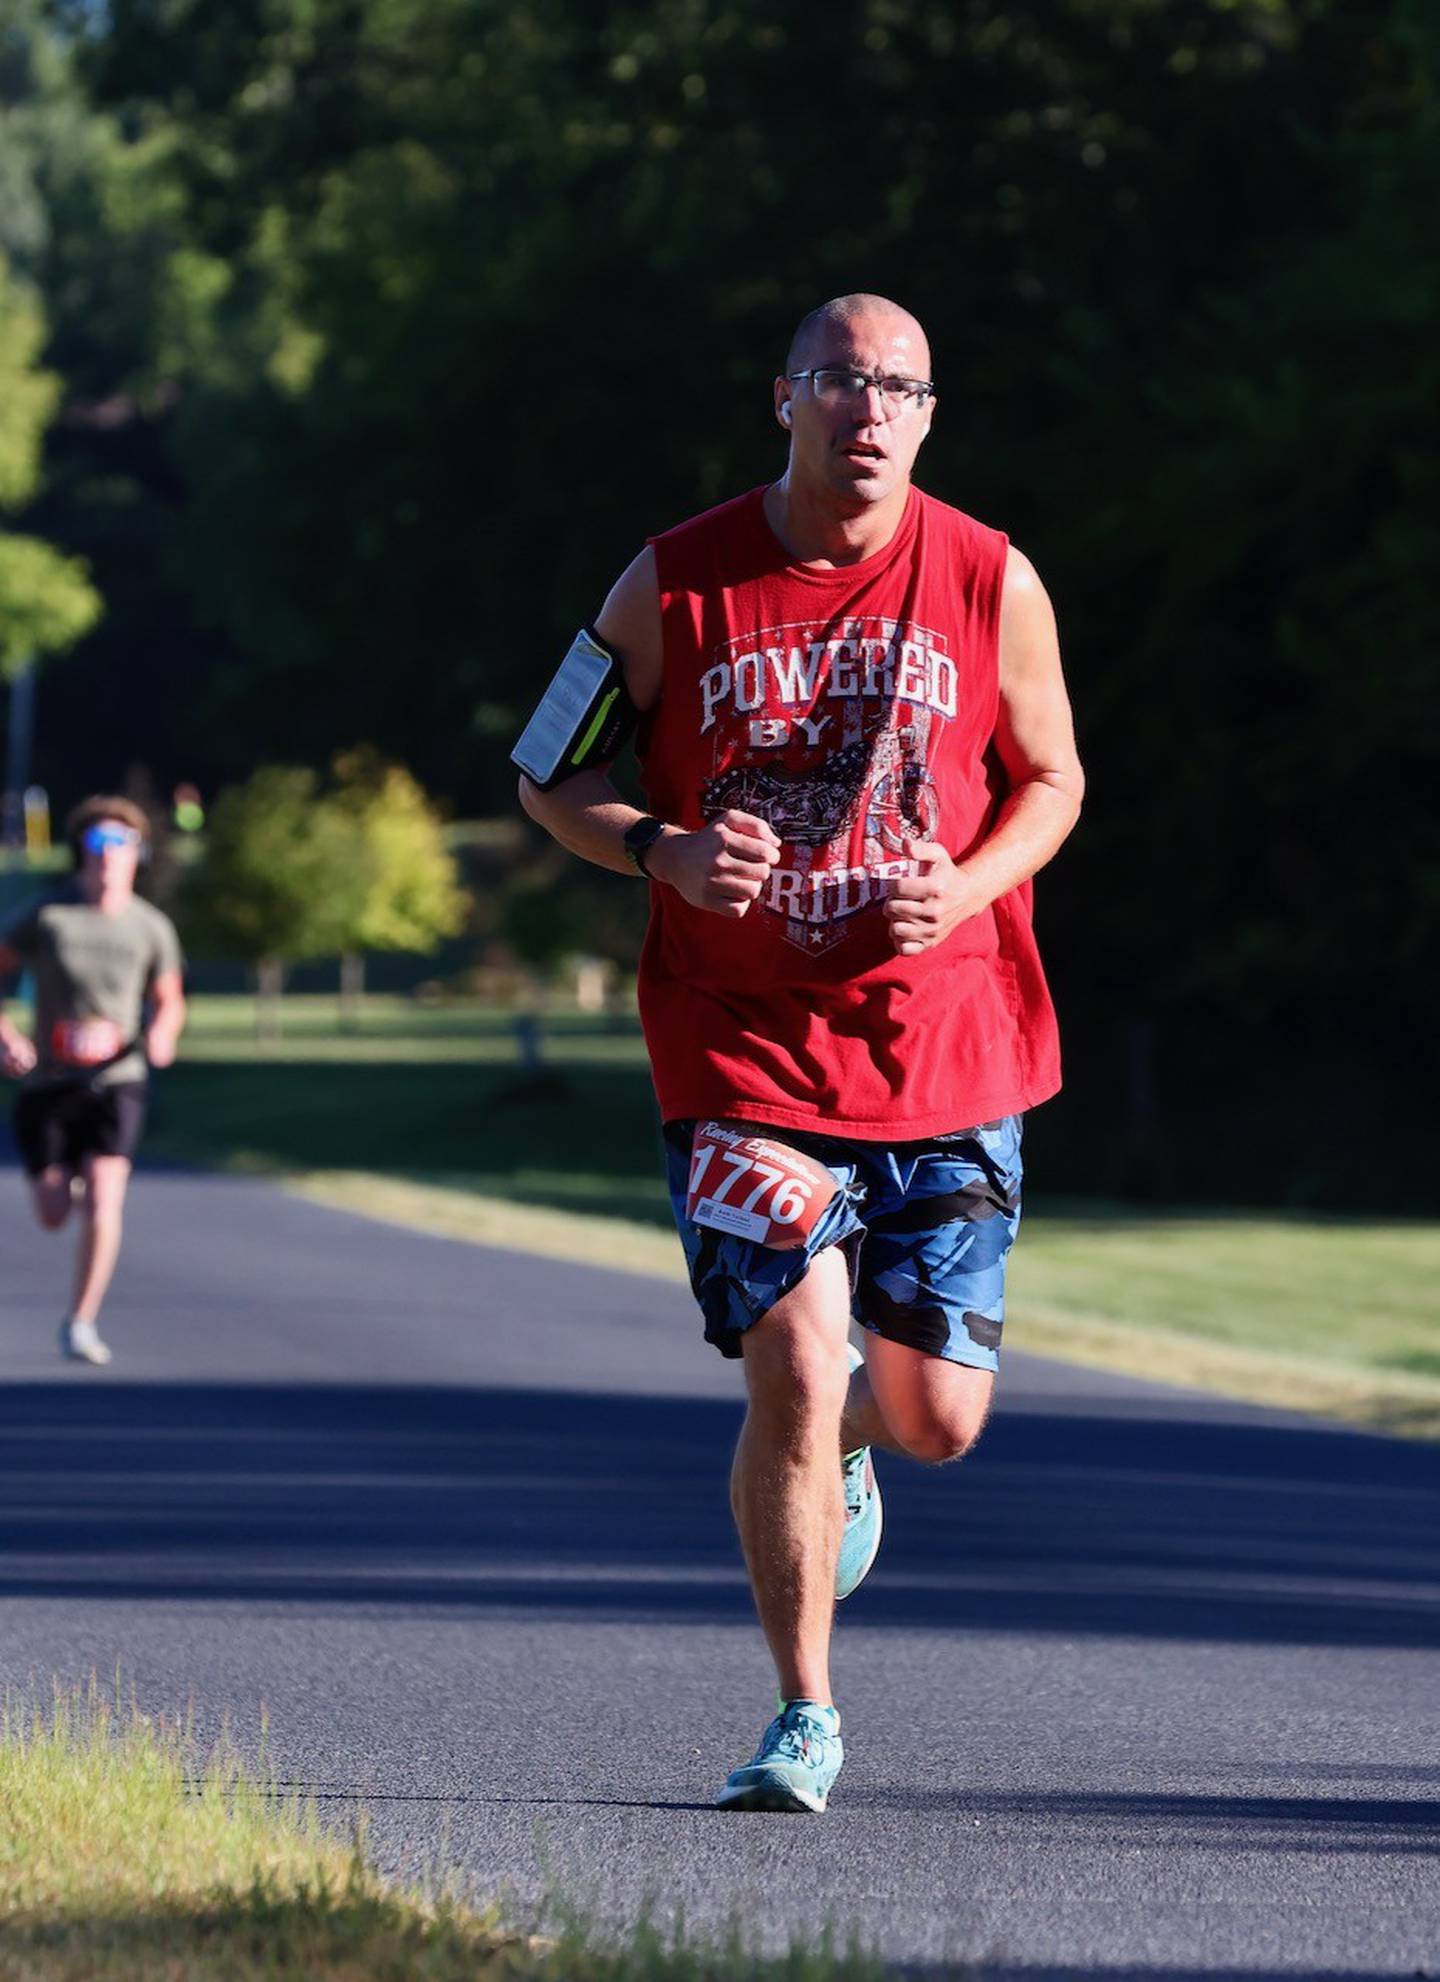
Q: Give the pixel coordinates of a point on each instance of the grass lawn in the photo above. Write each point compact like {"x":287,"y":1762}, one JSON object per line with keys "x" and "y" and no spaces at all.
{"x":1333,"y":1315}
{"x":426,"y":1116}
{"x":128,"y":1854}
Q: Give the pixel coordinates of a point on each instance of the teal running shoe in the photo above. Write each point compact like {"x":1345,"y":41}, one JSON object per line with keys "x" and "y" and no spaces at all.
{"x":864,"y":1516}
{"x":796,"y":1764}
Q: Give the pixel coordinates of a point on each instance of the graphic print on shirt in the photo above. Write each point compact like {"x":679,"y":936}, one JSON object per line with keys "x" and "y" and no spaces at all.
{"x":826,"y":732}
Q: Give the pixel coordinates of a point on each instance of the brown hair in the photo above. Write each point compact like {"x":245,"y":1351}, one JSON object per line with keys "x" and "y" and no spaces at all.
{"x":103,"y":806}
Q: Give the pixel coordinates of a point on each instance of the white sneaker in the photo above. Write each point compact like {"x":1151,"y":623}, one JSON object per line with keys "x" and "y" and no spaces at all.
{"x":80,"y":1340}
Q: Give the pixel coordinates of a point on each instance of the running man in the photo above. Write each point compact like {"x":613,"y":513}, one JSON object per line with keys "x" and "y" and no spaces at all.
{"x":857,"y":749}
{"x":98,"y":955}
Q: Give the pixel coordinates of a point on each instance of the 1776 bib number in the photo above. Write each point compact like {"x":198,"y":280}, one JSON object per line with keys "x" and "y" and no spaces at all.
{"x":85,"y":1042}
{"x":753,"y":1187}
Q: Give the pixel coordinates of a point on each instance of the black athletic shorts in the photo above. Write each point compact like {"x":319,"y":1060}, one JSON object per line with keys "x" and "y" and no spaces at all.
{"x":67,"y":1124}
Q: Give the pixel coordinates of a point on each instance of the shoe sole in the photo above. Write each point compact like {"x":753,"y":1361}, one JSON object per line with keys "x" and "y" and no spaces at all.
{"x":771,"y":1792}
{"x":840,"y":1595}
{"x":855,"y":1360}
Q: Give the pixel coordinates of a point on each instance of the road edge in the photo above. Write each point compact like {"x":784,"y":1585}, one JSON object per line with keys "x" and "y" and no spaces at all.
{"x":1400,"y":1406}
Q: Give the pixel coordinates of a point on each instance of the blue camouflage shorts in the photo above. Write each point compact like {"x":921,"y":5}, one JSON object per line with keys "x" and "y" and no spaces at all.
{"x":926,"y":1226}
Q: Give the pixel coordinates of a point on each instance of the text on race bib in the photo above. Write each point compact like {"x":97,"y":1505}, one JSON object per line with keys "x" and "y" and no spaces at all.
{"x":753,"y":1187}
{"x":84,"y":1042}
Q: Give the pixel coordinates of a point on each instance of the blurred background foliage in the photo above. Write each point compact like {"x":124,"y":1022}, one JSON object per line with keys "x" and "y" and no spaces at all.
{"x":388,"y":329}
{"x":294,"y":870}
{"x":46,"y":600}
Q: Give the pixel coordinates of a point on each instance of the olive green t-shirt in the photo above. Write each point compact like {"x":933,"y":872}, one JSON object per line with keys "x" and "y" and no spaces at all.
{"x":89,"y":965}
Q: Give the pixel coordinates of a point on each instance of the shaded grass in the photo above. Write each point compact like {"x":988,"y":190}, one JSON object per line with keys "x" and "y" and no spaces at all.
{"x":127,"y":1854}
{"x":435,"y":1094}
{"x":404,"y":1031}
{"x":587,"y":1140}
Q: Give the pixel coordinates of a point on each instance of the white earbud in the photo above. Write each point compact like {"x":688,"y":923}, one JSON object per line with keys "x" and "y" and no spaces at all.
{"x":785,"y":414}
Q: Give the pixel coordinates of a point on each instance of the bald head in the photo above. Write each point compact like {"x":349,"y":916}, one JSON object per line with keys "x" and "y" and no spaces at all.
{"x":840,"y":315}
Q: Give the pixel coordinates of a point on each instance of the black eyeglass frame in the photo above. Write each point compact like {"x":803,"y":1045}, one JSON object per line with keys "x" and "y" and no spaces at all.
{"x":918,"y":390}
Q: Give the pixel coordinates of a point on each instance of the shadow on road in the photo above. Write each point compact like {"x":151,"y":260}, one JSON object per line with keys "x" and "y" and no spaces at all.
{"x":988,"y":1972}
{"x":544,"y":1500}
{"x":1157,"y":1822}
{"x":1137,"y":1821}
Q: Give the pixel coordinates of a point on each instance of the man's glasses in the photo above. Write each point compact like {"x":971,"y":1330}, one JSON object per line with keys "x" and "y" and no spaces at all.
{"x":95,"y":839}
{"x":834,"y":386}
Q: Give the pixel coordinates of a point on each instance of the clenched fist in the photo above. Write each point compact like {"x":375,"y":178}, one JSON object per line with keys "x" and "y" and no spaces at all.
{"x":17,"y":1055}
{"x":928,"y":904}
{"x":721,"y":867}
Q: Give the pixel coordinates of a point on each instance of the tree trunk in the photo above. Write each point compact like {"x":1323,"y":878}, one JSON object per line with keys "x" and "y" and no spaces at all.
{"x":352,"y":990}
{"x":269,"y":983}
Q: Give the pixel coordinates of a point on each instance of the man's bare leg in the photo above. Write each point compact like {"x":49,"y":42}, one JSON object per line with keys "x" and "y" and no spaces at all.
{"x":785,"y":1487}
{"x":913,"y":1404}
{"x":50,"y":1194}
{"x":102,"y":1223}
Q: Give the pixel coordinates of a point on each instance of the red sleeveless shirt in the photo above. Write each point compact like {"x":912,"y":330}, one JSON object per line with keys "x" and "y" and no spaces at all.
{"x":853,"y":709}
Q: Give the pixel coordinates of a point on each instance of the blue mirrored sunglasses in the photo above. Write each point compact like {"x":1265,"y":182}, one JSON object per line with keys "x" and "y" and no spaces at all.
{"x":95,"y":839}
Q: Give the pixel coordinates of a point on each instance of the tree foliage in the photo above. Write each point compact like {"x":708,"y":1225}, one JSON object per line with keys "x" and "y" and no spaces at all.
{"x":296,"y":870}
{"x":46,"y":599}
{"x":395,"y":326}
{"x":413,"y":898}
{"x":283,"y":878}
{"x":563,"y":911}
{"x":92,"y":219}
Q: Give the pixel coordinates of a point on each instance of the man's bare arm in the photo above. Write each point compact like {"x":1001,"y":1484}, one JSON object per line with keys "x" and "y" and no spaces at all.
{"x":1035,"y":736}
{"x":723,"y":866}
{"x":17,"y":1054}
{"x":167,"y":1021}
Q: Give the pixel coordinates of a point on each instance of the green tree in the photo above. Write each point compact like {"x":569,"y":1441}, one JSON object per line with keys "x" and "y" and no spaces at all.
{"x":413,"y":898}
{"x":46,"y":600}
{"x":94,"y":223}
{"x":558,"y":912}
{"x":284,"y":880}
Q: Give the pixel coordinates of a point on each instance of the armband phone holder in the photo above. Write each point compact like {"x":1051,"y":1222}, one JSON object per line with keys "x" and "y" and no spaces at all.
{"x":584,"y":717}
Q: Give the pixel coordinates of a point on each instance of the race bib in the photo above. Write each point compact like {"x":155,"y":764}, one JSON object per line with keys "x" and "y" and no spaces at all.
{"x":745,"y":1183}
{"x":84,"y":1042}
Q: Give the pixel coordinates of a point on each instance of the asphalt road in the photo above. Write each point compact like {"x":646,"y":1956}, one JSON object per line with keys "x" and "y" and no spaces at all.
{"x":1149,"y":1687}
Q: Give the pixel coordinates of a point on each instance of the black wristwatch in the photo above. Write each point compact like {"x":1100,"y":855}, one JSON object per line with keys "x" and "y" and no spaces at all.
{"x":639,"y":840}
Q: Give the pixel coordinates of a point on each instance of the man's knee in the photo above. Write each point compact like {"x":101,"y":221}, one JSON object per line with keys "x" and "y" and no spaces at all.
{"x":933,"y":1409}
{"x":938,"y":1435}
{"x":795,"y":1372}
{"x":795,"y":1364}
{"x":51,"y":1198}
{"x":106,"y":1179}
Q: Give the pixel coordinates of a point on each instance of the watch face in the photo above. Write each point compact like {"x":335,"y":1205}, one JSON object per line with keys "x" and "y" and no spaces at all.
{"x":640,"y":838}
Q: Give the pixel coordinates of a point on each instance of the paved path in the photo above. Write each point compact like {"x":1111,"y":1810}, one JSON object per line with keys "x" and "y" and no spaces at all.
{"x":1151,"y":1686}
